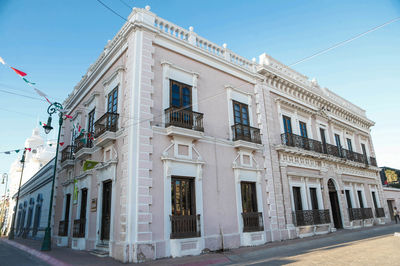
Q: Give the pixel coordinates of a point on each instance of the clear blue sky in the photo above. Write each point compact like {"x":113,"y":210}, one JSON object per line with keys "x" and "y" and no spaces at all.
{"x":56,"y":41}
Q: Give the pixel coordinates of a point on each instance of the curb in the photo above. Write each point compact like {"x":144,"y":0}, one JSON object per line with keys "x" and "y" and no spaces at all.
{"x":38,"y":254}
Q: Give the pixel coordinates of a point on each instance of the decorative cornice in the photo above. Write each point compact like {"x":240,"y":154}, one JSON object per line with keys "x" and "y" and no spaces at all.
{"x":113,"y":75}
{"x":92,"y":97}
{"x":164,"y":62}
{"x":230,"y":87}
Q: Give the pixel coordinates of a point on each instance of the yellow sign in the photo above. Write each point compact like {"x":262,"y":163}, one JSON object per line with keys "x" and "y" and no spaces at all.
{"x":391,"y":176}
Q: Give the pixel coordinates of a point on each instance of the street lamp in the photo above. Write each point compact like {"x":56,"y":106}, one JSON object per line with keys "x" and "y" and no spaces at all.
{"x":53,"y":108}
{"x":3,"y":212}
{"x":11,"y":234}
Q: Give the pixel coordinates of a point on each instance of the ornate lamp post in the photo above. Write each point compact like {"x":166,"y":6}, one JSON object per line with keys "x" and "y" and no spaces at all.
{"x":53,"y":108}
{"x":11,"y":234}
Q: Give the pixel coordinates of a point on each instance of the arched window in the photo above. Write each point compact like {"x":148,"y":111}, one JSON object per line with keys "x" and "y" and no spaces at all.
{"x":30,"y":215}
{"x":19,"y":214}
{"x":38,"y":211}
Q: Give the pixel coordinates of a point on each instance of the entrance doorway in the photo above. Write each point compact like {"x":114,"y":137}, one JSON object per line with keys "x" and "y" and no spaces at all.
{"x":333,"y":197}
{"x":106,"y":211}
{"x":390,"y":206}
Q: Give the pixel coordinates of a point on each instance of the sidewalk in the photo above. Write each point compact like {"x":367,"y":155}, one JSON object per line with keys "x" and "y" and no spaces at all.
{"x":63,"y":256}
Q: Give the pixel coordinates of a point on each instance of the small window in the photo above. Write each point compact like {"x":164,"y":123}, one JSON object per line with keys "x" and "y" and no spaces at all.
{"x":337,"y":140}
{"x":303,"y":129}
{"x":90,"y":128}
{"x":374,"y":200}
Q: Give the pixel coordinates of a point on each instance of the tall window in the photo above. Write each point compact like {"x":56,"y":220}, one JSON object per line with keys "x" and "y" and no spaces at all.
{"x":303,"y":129}
{"x":314,"y":199}
{"x":249,"y":196}
{"x":298,"y":206}
{"x":183,"y":196}
{"x":287,"y":124}
{"x":337,"y":140}
{"x":349,"y":145}
{"x":180,"y":95}
{"x":38,"y":212}
{"x":90,"y":128}
{"x":83,"y":203}
{"x":360,"y":198}
{"x":348,"y":198}
{"x":374,"y":200}
{"x":112,"y":104}
{"x":323,"y":139}
{"x":241,"y":113}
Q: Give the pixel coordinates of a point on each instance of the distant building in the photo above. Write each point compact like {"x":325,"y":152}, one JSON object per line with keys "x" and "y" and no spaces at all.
{"x":40,"y":154}
{"x":33,"y":206}
{"x":390,"y":178}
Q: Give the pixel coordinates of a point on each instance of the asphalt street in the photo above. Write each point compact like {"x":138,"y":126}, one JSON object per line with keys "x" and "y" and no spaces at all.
{"x":10,"y":256}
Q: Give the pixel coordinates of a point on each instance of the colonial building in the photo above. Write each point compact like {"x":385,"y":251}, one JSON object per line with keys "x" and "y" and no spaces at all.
{"x":186,"y":135}
{"x":322,"y":155}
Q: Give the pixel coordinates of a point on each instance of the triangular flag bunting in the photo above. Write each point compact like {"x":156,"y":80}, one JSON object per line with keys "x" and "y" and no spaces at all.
{"x":2,"y":61}
{"x":19,"y":72}
{"x":7,"y":152}
{"x":16,"y":151}
{"x":27,"y":81}
{"x":61,"y":143}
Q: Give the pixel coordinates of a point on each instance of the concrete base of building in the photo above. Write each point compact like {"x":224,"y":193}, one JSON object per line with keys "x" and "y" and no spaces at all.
{"x":62,"y":241}
{"x":186,"y":246}
{"x":311,"y":230}
{"x":78,"y":243}
{"x":252,"y":239}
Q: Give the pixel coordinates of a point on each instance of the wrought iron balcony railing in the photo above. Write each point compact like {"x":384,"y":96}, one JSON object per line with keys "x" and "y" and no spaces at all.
{"x":311,"y":217}
{"x":360,"y":213}
{"x":79,"y":228}
{"x":108,"y":122}
{"x":184,"y":118}
{"x":185,"y":226}
{"x":380,"y":212}
{"x":246,"y":133}
{"x":84,"y":141}
{"x":67,"y":153}
{"x":63,"y":228}
{"x":293,"y":140}
{"x":252,"y":222}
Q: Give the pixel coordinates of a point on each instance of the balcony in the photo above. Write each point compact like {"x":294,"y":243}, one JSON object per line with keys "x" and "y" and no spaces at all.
{"x":83,"y":144}
{"x":252,"y":222}
{"x":360,"y":213}
{"x":63,"y":228}
{"x":79,"y":228}
{"x":246,"y":133}
{"x":379,"y":212}
{"x":67,"y":156}
{"x":293,"y":140}
{"x":105,"y":128}
{"x":185,"y":226}
{"x":67,"y":153}
{"x":311,"y":217}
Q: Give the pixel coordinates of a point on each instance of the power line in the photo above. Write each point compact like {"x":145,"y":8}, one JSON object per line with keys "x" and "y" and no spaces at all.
{"x":22,"y":95}
{"x":112,"y":10}
{"x":345,"y":41}
{"x":125,"y":4}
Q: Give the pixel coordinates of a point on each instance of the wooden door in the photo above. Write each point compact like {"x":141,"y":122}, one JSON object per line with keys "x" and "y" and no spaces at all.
{"x":106,"y":211}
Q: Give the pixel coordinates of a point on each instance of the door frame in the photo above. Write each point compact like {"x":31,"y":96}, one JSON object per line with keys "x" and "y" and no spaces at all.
{"x":338,"y":201}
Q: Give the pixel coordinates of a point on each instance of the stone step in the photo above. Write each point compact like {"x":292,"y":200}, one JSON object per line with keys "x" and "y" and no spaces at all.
{"x":99,"y":253}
